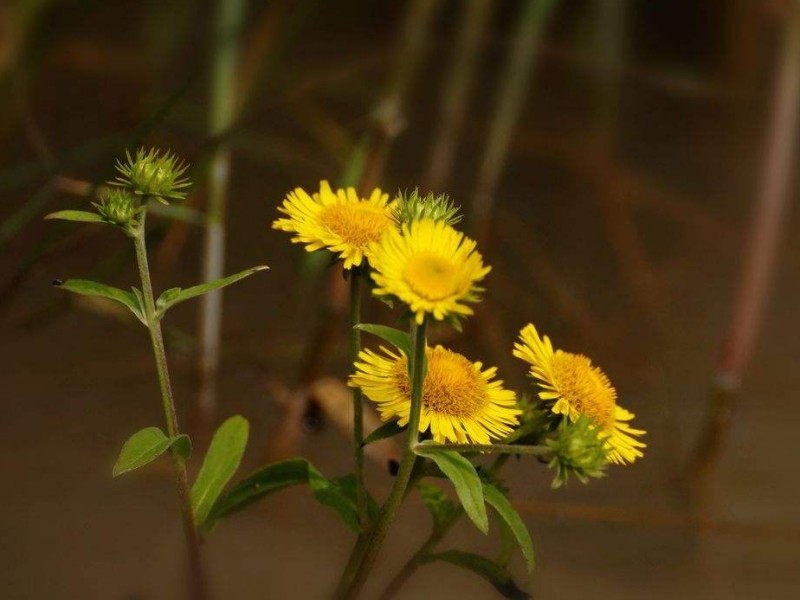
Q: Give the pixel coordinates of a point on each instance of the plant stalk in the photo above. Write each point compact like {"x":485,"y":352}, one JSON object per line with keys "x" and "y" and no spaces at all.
{"x":364,"y":554}
{"x":229,"y":20}
{"x":198,"y":588}
{"x":358,"y":408}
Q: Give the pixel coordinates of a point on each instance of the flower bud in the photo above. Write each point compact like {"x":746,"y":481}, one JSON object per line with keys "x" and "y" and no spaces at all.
{"x":117,"y":206}
{"x":410,"y":207}
{"x":577,"y":450}
{"x":153,"y":174}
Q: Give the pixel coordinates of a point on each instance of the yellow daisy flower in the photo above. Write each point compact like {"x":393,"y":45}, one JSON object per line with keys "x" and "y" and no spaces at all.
{"x":430,"y":266}
{"x":340,"y":221}
{"x":576,"y":387}
{"x":460,"y":402}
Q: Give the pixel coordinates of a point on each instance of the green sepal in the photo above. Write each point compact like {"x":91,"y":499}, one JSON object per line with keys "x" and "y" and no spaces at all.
{"x":173,"y":296}
{"x":87,"y":287}
{"x":220,"y":463}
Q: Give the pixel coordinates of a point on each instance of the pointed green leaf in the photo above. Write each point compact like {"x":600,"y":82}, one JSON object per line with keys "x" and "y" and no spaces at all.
{"x":173,"y":296}
{"x":220,"y":463}
{"x":142,"y":447}
{"x":87,"y":287}
{"x":386,"y":430}
{"x":331,"y":494}
{"x":347,"y":485}
{"x":79,"y":216}
{"x":506,"y":511}
{"x":399,"y":339}
{"x":465,"y":479}
{"x":183,"y":446}
{"x":439,"y":505}
{"x":495,"y":574}
{"x":262,"y":483}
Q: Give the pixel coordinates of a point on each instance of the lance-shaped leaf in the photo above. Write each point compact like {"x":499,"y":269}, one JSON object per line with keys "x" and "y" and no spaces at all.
{"x":173,"y":296}
{"x":506,"y":511}
{"x":465,"y":479}
{"x":78,"y":216}
{"x":399,"y":339}
{"x":339,"y":494}
{"x":386,"y":430}
{"x":145,"y":446}
{"x":220,"y":463}
{"x":495,"y":574}
{"x":87,"y":287}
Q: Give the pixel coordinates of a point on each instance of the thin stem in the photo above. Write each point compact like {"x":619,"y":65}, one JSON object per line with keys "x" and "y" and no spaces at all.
{"x":358,"y":409}
{"x":229,"y":19}
{"x":198,"y":589}
{"x":364,"y":554}
{"x":422,"y":555}
{"x":489,"y":448}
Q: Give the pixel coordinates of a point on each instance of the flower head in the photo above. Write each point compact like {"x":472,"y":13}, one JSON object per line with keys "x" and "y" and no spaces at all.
{"x":413,"y":206}
{"x":430,"y":266}
{"x":460,"y":401}
{"x":339,"y":221}
{"x":153,"y":173}
{"x":577,"y":450}
{"x":117,"y":206}
{"x":573,"y":387}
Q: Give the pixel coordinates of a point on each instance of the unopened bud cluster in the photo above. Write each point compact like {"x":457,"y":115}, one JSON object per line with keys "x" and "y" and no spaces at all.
{"x":577,"y":450}
{"x":153,"y":174}
{"x":413,"y":206}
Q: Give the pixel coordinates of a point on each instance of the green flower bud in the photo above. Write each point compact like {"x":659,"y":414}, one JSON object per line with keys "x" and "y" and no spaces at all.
{"x":410,"y":207}
{"x":154,"y":174}
{"x":117,"y":206}
{"x":577,"y":450}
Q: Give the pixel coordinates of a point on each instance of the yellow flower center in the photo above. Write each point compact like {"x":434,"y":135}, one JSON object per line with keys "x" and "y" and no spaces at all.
{"x":585,"y":387}
{"x":357,"y":224}
{"x":431,"y":276}
{"x":453,"y":386}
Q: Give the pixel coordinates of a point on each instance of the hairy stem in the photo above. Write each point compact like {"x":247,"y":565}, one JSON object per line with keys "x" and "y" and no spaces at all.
{"x":364,"y":554}
{"x":198,"y":589}
{"x":358,"y":409}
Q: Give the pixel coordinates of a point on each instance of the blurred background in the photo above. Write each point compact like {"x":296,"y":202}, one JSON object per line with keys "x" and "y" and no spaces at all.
{"x":627,"y":166}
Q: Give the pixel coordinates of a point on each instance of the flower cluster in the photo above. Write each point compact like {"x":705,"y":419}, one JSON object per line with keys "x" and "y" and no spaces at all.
{"x":417,"y":258}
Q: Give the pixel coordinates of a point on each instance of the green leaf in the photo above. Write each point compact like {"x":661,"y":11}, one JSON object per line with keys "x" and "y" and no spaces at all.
{"x":347,"y":485}
{"x":79,"y":216}
{"x":87,"y":287}
{"x":399,"y":339}
{"x":142,"y":447}
{"x":220,"y":463}
{"x":183,"y":446}
{"x":173,"y":296}
{"x":440,"y":506}
{"x":465,"y":479}
{"x":506,"y":511}
{"x":495,"y":574}
{"x":386,"y":430}
{"x":263,"y":482}
{"x":330,"y":493}
{"x":339,"y":493}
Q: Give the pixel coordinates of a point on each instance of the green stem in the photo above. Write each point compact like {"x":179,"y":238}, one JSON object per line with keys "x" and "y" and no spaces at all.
{"x":489,"y":448}
{"x":364,"y":554}
{"x":423,"y":554}
{"x":197,"y":580}
{"x":358,"y":409}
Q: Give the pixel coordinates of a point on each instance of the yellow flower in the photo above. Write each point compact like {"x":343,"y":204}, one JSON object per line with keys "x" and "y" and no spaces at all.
{"x":339,"y":221}
{"x":430,"y":266}
{"x":575,"y":387}
{"x":460,"y":402}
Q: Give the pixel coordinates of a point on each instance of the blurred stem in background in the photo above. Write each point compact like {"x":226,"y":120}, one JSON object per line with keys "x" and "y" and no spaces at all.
{"x":513,"y":84}
{"x":228,"y":24}
{"x":197,"y":581}
{"x":385,"y":126}
{"x":356,"y":275}
{"x":458,"y":84}
{"x":760,"y":254}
